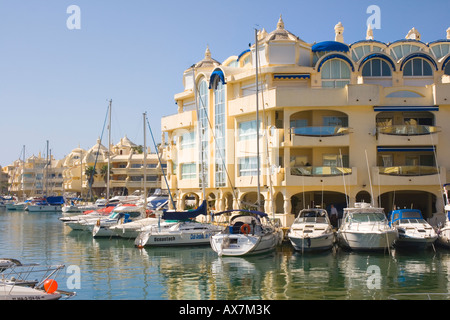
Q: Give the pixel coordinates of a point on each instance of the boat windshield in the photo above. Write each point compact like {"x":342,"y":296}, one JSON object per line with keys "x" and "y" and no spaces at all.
{"x":412,"y":220}
{"x":368,"y":217}
{"x":317,"y":216}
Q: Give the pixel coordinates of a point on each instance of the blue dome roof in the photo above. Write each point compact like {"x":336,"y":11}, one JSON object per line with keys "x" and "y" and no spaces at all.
{"x":330,"y":46}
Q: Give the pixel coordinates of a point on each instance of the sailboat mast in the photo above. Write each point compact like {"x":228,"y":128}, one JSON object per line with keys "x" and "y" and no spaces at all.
{"x":144,"y":115}
{"x":257,"y":123}
{"x":109,"y":150}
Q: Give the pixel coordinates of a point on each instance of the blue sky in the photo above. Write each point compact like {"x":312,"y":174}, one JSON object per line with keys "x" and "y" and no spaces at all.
{"x":55,"y":83}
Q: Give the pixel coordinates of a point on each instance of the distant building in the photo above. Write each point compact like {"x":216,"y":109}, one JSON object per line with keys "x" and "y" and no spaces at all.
{"x":37,"y":176}
{"x":339,"y":123}
{"x":126,"y":169}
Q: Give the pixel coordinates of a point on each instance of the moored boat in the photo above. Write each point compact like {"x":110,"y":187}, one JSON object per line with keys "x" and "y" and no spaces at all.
{"x":413,"y":230}
{"x":366,"y":228}
{"x":246,"y":234}
{"x":444,"y":229}
{"x":178,"y":229}
{"x":312,"y":231}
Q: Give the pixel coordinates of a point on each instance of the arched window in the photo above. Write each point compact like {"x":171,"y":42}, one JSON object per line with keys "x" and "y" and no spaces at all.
{"x":335,"y":73}
{"x":219,"y":134}
{"x":376,"y":68}
{"x":417,"y":67}
{"x":447,"y":69}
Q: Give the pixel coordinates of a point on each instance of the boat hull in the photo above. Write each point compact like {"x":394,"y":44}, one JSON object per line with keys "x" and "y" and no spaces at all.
{"x":405,"y":241}
{"x":241,"y":244}
{"x":164,"y":239}
{"x":17,"y":292}
{"x":39,"y":208}
{"x":363,"y":240}
{"x":314,"y":243}
{"x":444,"y":237}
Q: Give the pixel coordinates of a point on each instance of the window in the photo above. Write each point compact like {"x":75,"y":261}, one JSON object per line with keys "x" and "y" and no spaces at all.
{"x":440,"y":50}
{"x":334,"y":160}
{"x":248,"y":166}
{"x":188,"y":140}
{"x":335,"y":121}
{"x":376,"y":68}
{"x":447,"y":69}
{"x":219,"y":119}
{"x":299,"y":123}
{"x":402,"y":50}
{"x":247,"y":130}
{"x":203,"y":106}
{"x":335,"y":74}
{"x":417,"y":67}
{"x":188,"y":171}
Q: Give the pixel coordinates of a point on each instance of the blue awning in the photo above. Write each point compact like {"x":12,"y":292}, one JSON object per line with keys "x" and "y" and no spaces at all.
{"x":419,"y":55}
{"x":216,"y":73}
{"x":378,"y":55}
{"x":405,"y":149}
{"x":406,"y":108}
{"x":335,"y":56}
{"x":330,"y":46}
{"x":242,"y":53}
{"x":291,"y":76}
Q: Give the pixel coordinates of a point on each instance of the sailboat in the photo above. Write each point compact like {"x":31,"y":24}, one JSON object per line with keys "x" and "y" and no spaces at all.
{"x":248,"y":232}
{"x":179,"y":229}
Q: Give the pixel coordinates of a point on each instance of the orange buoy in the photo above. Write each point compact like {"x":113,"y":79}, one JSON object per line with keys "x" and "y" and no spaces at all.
{"x":50,"y":285}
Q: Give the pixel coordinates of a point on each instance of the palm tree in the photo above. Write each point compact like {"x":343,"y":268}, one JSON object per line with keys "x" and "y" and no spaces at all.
{"x":90,"y":173}
{"x":104,"y":173}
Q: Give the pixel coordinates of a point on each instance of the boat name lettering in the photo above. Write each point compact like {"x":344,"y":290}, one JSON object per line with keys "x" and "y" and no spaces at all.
{"x":200,"y":236}
{"x":157,"y":239}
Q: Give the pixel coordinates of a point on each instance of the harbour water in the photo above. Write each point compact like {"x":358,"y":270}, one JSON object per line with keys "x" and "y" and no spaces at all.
{"x":114,"y":269}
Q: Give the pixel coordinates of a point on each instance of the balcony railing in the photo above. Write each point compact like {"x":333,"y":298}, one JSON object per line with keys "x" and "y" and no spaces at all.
{"x":320,"y":171}
{"x":408,"y":170}
{"x":323,"y":131}
{"x":408,"y":130}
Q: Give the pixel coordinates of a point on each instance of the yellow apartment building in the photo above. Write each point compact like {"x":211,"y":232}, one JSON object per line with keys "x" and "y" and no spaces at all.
{"x":340,"y":123}
{"x":126,"y":169}
{"x":35,"y":176}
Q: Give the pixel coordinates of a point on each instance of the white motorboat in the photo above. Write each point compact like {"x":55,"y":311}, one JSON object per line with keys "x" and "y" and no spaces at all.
{"x":246,"y":234}
{"x":312,"y":231}
{"x":413,"y":230}
{"x":120,"y":215}
{"x":78,"y":222}
{"x":132,"y":229}
{"x":366,"y":228}
{"x":49,"y":204}
{"x":177,"y":234}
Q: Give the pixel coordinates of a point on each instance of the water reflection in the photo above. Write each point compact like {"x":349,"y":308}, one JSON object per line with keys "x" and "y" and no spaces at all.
{"x":115,"y":269}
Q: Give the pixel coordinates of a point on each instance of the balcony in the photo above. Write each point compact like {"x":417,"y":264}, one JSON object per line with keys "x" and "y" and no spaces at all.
{"x":322,"y":136}
{"x":408,"y":134}
{"x":317,"y":176}
{"x":408,"y":170}
{"x":408,"y":175}
{"x":320,"y":171}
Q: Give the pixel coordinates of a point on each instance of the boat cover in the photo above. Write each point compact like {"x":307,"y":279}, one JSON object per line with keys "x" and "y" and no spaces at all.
{"x":185,"y":215}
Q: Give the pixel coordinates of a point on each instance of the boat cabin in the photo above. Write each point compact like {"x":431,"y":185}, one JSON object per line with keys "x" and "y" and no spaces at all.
{"x":406,"y":216}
